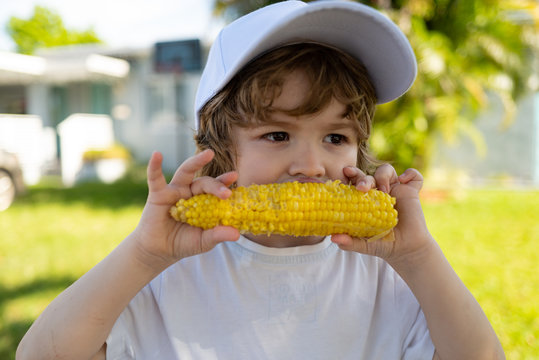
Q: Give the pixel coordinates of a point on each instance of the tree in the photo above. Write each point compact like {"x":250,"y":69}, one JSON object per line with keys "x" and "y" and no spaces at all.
{"x":468,"y":51}
{"x":45,"y":28}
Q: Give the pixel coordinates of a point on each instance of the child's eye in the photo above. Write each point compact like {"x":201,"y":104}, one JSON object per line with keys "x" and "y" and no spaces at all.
{"x":277,"y":136}
{"x":335,"y":139}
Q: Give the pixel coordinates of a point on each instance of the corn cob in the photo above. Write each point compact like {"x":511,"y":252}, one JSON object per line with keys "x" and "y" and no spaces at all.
{"x":299,"y":209}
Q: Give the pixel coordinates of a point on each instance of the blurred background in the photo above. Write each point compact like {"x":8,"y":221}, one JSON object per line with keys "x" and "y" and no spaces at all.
{"x":88,"y":90}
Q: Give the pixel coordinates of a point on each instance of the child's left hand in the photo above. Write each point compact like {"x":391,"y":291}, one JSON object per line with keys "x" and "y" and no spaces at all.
{"x":411,"y":233}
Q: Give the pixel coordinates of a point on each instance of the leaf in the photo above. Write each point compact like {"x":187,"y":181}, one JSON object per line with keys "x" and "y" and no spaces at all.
{"x":45,"y":28}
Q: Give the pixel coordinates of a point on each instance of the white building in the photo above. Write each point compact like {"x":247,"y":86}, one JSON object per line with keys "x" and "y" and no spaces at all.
{"x":146,"y":93}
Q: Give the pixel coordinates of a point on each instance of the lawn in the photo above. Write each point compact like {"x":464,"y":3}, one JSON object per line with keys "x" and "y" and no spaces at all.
{"x":51,"y":236}
{"x":492,"y":240}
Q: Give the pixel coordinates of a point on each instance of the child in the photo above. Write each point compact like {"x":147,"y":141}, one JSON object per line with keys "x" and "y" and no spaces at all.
{"x":288,"y":94}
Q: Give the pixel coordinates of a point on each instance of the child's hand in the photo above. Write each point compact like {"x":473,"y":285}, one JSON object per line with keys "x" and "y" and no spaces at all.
{"x":162,"y":239}
{"x":383,"y":178}
{"x":411,"y":234}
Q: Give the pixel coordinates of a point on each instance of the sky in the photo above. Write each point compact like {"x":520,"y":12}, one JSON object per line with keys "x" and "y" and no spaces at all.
{"x":130,"y":23}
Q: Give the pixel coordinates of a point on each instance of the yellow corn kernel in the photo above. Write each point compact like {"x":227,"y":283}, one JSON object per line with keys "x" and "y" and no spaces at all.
{"x":299,"y":209}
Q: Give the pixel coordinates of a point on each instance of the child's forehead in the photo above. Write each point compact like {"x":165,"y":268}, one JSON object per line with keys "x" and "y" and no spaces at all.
{"x":294,"y":90}
{"x":332,"y":116}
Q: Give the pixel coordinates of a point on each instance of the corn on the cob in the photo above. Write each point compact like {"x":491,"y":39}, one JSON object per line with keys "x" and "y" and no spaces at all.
{"x":298,"y":209}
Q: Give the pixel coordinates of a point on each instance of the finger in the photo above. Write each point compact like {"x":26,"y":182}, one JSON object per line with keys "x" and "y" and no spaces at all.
{"x":347,"y":243}
{"x":218,"y":234}
{"x":342,"y":240}
{"x":228,"y":178}
{"x":156,"y":179}
{"x":411,"y":175}
{"x":358,"y":178}
{"x":186,"y":172}
{"x":209,"y":185}
{"x":385,"y":176}
{"x":218,"y":186}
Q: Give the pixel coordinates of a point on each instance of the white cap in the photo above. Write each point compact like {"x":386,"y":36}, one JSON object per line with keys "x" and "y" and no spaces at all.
{"x":357,"y":29}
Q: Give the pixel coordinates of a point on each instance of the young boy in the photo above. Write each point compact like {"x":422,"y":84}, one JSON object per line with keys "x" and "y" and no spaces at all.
{"x":288,"y":94}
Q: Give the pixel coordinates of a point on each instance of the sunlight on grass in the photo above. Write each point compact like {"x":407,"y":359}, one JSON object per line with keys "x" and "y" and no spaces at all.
{"x":49,"y":238}
{"x":52,"y":236}
{"x":492,"y":240}
{"x":60,"y":239}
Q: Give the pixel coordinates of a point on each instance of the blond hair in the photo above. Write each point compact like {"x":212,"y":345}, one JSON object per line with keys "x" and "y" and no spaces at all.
{"x":247,"y":99}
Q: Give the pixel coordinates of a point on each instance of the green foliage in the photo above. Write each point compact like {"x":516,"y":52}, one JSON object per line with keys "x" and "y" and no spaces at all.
{"x":232,"y":9}
{"x":45,"y":28}
{"x":467,"y":50}
{"x":52,"y":235}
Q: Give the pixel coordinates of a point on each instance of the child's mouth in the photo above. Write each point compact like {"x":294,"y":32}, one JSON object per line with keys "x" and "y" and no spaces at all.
{"x":308,"y":180}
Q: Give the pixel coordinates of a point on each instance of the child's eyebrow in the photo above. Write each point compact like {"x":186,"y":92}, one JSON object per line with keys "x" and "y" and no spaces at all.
{"x":342,"y":123}
{"x":272,"y":122}
{"x":337,"y":121}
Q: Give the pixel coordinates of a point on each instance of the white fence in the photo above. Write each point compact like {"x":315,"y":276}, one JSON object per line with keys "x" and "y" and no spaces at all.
{"x":34,"y":145}
{"x":79,"y":133}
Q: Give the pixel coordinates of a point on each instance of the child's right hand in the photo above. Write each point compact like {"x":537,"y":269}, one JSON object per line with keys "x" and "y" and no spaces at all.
{"x":161,"y":240}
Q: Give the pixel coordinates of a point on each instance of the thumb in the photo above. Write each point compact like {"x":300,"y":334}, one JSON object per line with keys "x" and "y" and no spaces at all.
{"x":218,"y":234}
{"x":347,"y":243}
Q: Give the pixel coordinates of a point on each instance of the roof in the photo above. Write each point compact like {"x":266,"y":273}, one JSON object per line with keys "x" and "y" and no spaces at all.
{"x":69,"y":64}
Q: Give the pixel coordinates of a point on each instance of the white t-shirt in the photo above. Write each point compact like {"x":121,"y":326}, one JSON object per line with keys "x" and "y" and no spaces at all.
{"x":246,"y":301}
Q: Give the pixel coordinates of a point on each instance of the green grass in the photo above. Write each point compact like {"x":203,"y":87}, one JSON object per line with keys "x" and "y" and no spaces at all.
{"x":51,"y":236}
{"x":492,"y":240}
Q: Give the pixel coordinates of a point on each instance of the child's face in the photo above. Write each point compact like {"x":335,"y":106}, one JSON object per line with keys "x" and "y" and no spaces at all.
{"x":309,"y":148}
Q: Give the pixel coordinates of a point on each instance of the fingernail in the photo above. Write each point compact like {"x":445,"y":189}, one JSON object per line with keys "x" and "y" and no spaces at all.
{"x":382,"y":188}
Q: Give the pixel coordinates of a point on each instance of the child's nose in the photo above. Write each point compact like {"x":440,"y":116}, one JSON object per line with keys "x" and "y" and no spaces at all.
{"x":307,"y":162}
